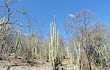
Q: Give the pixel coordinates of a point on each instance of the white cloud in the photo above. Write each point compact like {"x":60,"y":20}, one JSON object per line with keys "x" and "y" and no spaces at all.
{"x":71,"y":15}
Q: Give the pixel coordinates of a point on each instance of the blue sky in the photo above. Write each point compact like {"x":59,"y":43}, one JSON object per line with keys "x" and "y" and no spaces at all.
{"x":43,"y":10}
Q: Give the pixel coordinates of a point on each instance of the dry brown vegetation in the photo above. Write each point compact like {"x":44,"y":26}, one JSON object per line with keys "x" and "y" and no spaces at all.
{"x":87,"y":49}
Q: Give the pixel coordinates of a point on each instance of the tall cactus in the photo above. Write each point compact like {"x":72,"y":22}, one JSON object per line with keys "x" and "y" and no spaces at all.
{"x":34,"y":47}
{"x":73,"y":52}
{"x":54,"y":46}
{"x":18,"y":44}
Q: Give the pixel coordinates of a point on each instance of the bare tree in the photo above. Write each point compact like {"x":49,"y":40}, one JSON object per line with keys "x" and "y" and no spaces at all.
{"x":7,"y":22}
{"x":79,"y":25}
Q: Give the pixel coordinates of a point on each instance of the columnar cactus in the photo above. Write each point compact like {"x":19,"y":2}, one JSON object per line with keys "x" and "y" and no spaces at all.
{"x":18,"y":44}
{"x":54,"y":46}
{"x":73,"y":52}
{"x":34,"y":47}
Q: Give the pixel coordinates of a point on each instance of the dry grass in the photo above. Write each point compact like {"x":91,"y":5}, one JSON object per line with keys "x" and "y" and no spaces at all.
{"x":17,"y":64}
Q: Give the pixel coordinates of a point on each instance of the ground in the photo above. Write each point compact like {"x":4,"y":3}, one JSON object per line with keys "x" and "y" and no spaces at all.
{"x":35,"y":64}
{"x":19,"y":64}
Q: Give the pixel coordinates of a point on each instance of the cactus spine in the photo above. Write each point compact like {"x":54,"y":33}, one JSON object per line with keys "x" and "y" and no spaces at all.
{"x":54,"y":46}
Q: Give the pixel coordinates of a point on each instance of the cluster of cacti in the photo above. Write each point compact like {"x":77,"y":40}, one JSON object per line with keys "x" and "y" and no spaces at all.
{"x":73,"y":52}
{"x":54,"y":47}
{"x":89,"y":44}
{"x":18,"y":44}
{"x":33,"y":46}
